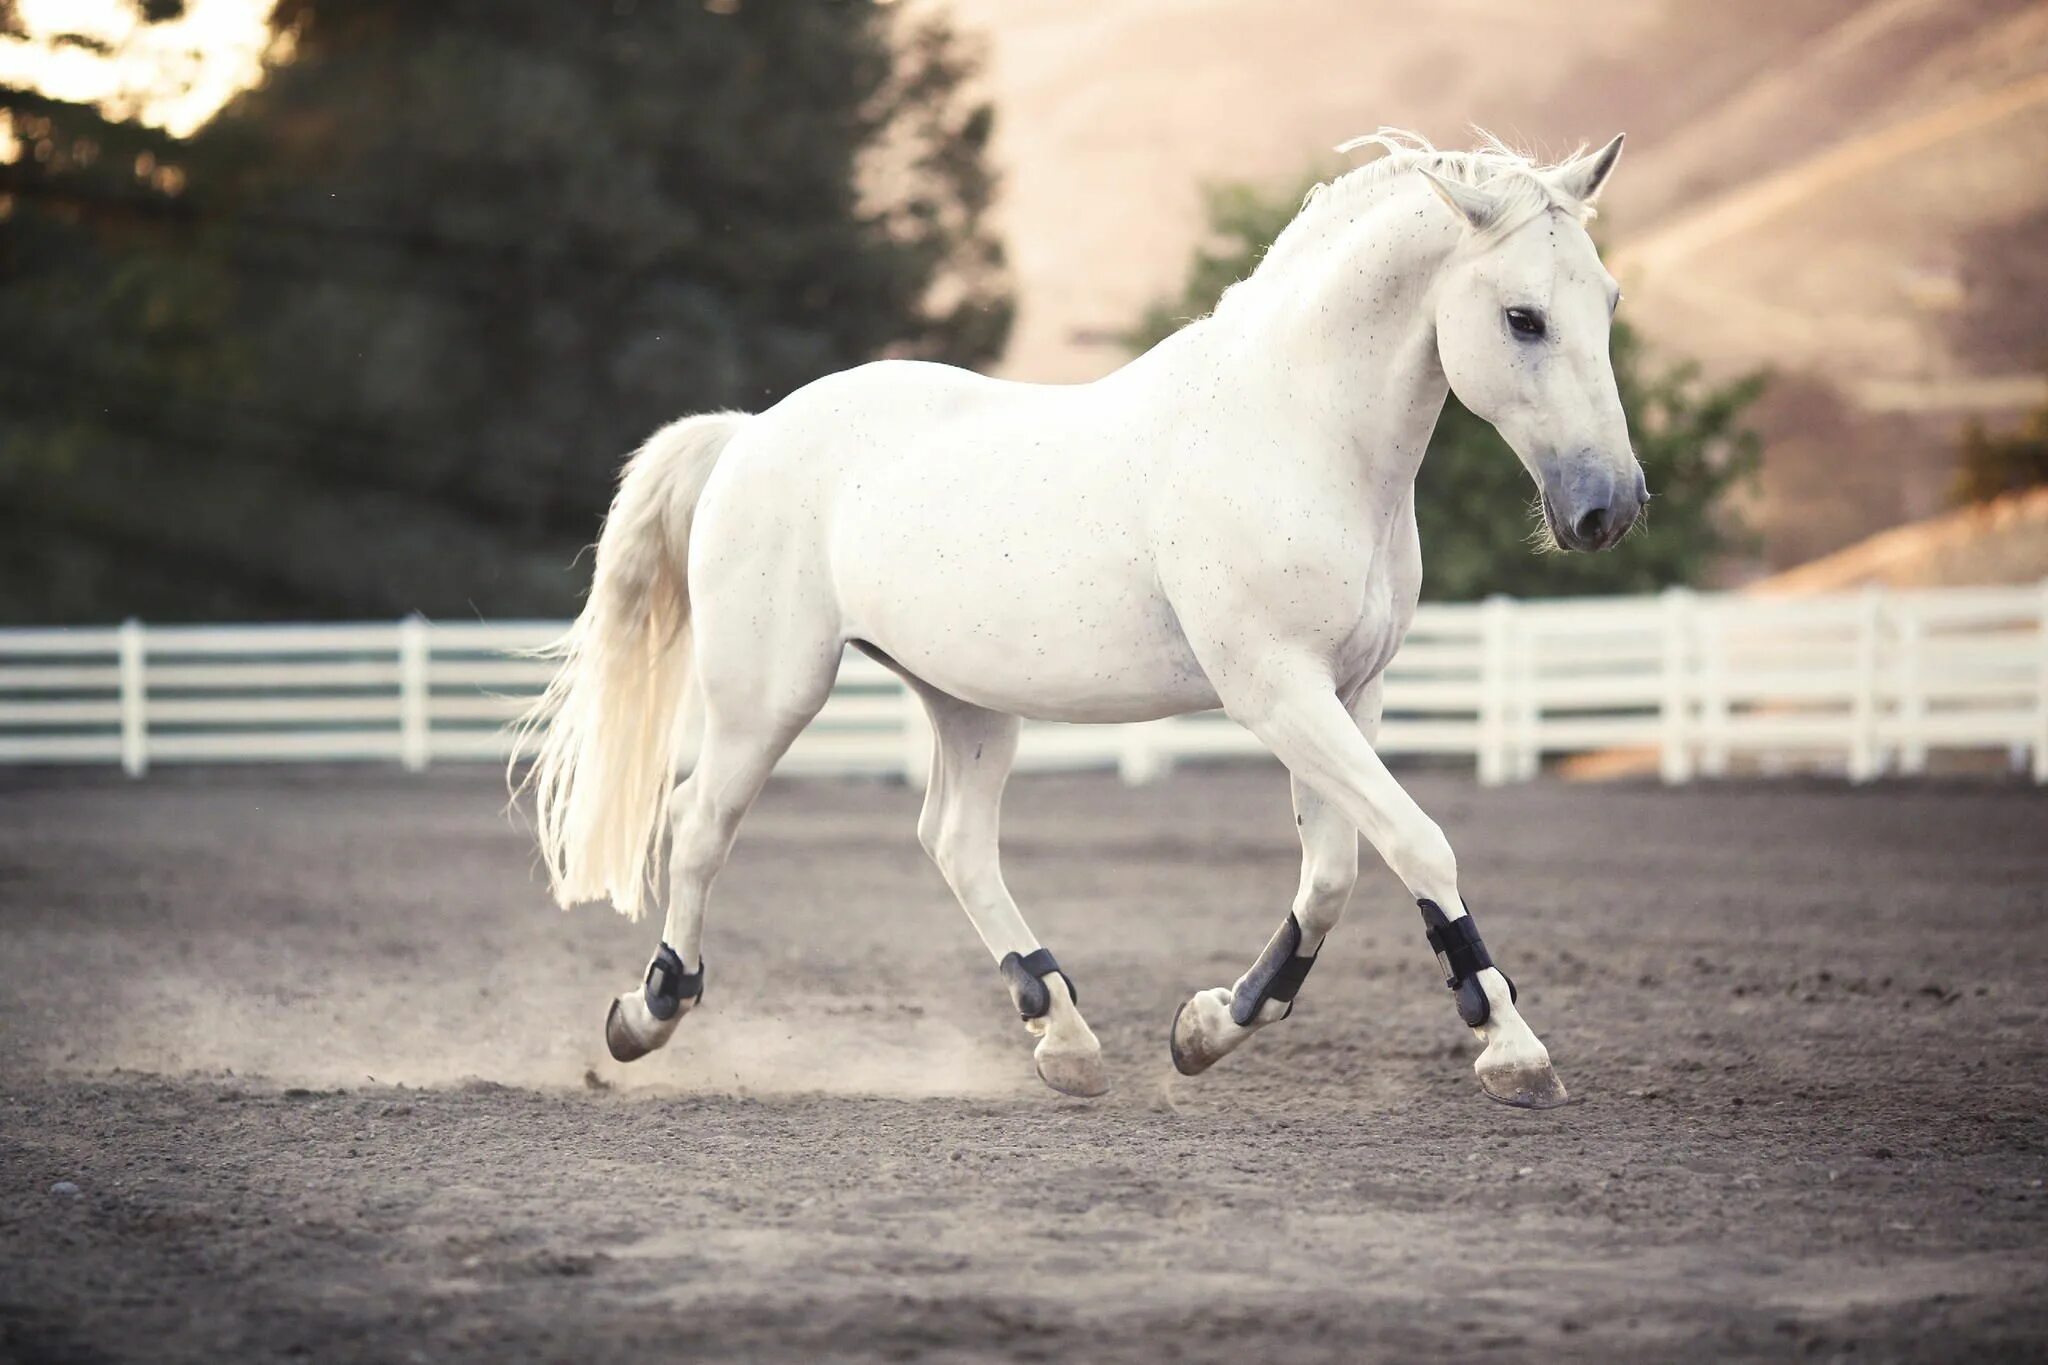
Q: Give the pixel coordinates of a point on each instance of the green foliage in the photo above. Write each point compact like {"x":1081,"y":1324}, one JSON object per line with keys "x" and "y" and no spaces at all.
{"x":2007,"y":462}
{"x":1473,"y":499}
{"x":376,"y":338}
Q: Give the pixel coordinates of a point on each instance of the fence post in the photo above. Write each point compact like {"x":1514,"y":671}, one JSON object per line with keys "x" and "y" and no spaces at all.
{"x":134,"y":699}
{"x":2041,"y":691}
{"x":1911,"y":683}
{"x":1865,"y":762}
{"x":1710,"y":642}
{"x":1525,"y":695}
{"x":414,"y":723}
{"x":1141,"y":754}
{"x":1675,"y":757}
{"x":1493,"y":756}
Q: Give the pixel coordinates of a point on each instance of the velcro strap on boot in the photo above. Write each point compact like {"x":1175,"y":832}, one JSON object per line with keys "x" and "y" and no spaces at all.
{"x":1277,"y":975}
{"x":1025,"y":974}
{"x":668,"y":985}
{"x":1462,"y":955}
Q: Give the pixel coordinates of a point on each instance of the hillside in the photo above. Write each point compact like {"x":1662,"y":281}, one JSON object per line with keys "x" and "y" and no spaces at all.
{"x":1847,"y":193}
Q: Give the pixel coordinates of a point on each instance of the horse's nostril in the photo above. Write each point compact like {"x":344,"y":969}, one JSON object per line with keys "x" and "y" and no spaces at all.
{"x":1590,"y":526}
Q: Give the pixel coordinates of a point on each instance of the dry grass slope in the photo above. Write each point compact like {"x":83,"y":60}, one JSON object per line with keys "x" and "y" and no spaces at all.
{"x":1848,"y":193}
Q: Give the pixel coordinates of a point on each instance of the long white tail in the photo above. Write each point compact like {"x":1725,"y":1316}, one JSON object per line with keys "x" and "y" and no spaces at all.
{"x":601,"y":778}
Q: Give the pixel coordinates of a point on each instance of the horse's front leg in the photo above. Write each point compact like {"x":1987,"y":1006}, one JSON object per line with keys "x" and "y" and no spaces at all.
{"x":1216,"y":1022}
{"x":1300,"y":718}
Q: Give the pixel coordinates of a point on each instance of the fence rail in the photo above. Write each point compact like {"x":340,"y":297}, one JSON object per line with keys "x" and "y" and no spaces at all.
{"x":1859,"y":683}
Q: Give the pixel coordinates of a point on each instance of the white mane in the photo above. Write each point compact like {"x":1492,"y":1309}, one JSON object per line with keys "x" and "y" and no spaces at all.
{"x":1520,"y":187}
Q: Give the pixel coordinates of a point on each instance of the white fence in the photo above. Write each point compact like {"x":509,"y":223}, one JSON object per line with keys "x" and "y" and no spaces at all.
{"x":1859,"y":683}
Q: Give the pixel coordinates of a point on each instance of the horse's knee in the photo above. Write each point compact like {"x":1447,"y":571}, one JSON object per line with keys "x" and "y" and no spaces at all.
{"x":1324,"y":894}
{"x":1328,"y":883}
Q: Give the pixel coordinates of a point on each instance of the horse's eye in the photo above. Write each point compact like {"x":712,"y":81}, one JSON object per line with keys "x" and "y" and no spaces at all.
{"x":1525,"y":322}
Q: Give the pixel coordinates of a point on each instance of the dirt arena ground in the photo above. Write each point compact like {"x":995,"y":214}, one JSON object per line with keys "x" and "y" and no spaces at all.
{"x":303,"y":1064}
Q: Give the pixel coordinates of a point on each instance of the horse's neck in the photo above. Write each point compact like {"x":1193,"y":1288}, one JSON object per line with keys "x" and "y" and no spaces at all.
{"x":1343,"y":339}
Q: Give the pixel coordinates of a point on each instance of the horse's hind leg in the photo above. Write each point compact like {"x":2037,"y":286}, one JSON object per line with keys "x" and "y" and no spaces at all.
{"x":1216,"y":1022}
{"x":754,"y":706}
{"x":973,"y":749}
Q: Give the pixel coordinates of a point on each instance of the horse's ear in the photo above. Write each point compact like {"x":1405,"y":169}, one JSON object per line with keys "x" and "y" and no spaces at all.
{"x":1584,"y":177}
{"x":1475,"y":206}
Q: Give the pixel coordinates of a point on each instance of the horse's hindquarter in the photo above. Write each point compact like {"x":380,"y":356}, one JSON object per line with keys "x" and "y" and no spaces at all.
{"x":991,"y":538}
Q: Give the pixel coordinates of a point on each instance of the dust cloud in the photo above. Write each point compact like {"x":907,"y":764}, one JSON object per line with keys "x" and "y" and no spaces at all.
{"x":190,"y":1025}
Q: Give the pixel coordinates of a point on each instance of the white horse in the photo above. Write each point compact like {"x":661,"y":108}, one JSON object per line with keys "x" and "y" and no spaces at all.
{"x":1228,"y":520}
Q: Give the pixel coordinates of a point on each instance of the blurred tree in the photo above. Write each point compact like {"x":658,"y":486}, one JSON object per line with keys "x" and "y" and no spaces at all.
{"x":376,"y":338}
{"x":2005,"y":462}
{"x":100,"y":306}
{"x":1473,"y":498}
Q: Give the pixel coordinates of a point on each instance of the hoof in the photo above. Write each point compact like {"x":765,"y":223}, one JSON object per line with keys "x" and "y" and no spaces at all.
{"x":1185,"y":1059}
{"x":1525,"y":1087}
{"x":630,"y":1032}
{"x":1073,"y":1073}
{"x":1203,"y":1032}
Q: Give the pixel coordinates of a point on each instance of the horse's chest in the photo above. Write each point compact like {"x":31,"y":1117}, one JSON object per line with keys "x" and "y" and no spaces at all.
{"x":1374,"y":636}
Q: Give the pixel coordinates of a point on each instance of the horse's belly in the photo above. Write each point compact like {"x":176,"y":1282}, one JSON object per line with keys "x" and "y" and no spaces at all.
{"x":1060,"y":685}
{"x":1083,"y":697}
{"x":1046,"y":653}
{"x":1014,"y":611}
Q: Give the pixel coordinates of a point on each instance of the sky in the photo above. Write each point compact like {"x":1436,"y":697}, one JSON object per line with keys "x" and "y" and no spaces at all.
{"x":173,"y":74}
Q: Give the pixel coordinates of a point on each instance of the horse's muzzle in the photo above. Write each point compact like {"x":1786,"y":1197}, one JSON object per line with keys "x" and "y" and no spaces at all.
{"x":1590,"y":508}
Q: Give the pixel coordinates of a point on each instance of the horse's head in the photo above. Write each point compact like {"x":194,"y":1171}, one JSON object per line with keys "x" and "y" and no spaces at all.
{"x":1523,"y":308}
